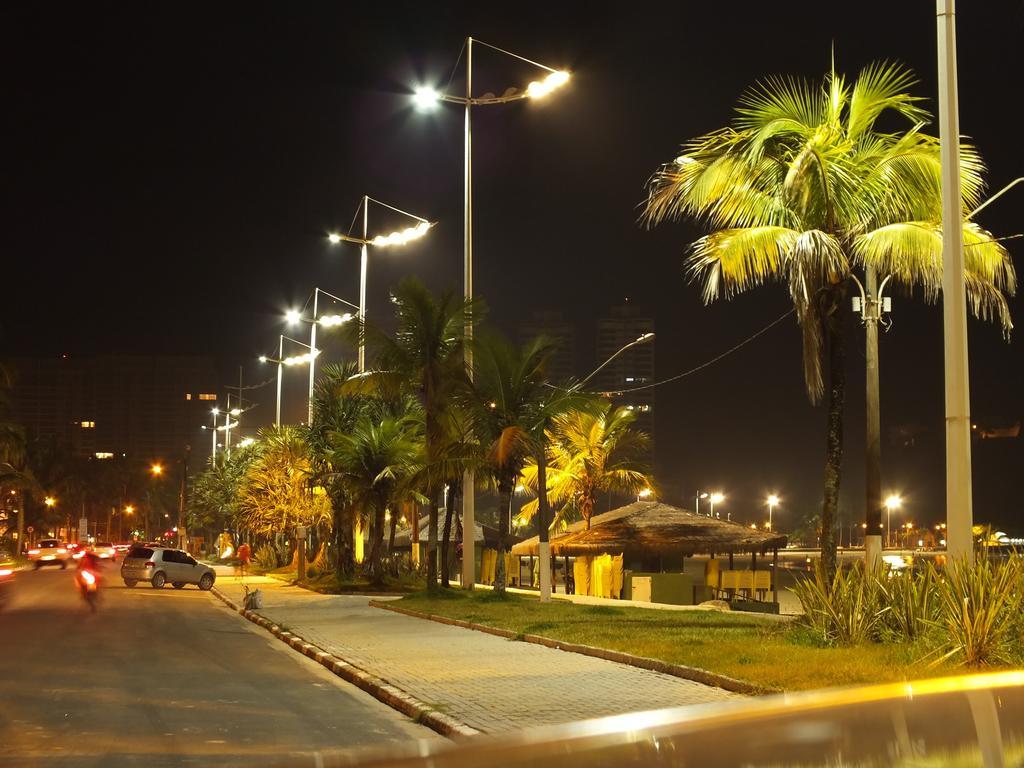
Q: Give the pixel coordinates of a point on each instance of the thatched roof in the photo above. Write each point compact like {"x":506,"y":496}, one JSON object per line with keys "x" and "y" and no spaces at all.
{"x":485,"y":534}
{"x":650,"y":527}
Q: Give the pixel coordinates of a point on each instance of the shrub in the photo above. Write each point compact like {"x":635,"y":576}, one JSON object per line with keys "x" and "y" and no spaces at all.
{"x":846,"y":611}
{"x":266,"y":558}
{"x":980,"y":607}
{"x":909,"y":604}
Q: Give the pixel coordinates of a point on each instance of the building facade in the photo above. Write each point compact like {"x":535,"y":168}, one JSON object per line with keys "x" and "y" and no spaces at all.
{"x":634,"y":368}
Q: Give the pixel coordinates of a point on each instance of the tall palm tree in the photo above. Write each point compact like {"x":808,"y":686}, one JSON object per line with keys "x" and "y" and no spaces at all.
{"x":424,"y":356}
{"x":377,"y":463}
{"x":336,"y":411}
{"x":509,"y":392}
{"x":803,"y":187}
{"x":593,"y":451}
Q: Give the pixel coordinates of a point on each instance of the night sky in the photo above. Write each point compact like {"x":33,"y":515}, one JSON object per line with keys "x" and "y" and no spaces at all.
{"x":171,"y":171}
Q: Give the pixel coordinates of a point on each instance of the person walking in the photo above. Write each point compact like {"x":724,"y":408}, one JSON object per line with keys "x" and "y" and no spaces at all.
{"x":243,"y":558}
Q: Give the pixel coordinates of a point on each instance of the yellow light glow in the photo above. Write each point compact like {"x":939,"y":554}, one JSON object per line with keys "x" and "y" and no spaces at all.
{"x":157,"y":469}
{"x":644,"y":493}
{"x":773,"y":500}
{"x":300,"y":359}
{"x":538,"y":89}
{"x":402,"y":237}
{"x":50,"y":501}
{"x":263,"y":358}
{"x":334,"y":238}
{"x":894,"y":502}
{"x":329,"y":321}
{"x":246,"y":442}
{"x":717,"y":498}
{"x":292,"y":316}
{"x":129,"y":509}
{"x":236,"y":411}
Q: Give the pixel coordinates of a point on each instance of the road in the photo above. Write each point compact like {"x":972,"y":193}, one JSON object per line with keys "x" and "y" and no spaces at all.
{"x":165,"y":678}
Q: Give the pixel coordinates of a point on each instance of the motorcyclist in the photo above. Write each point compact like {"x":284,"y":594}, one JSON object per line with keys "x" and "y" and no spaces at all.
{"x":87,"y":562}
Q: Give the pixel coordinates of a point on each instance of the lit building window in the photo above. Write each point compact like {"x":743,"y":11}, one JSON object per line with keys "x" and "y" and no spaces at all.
{"x":88,"y":425}
{"x":103,"y":455}
{"x":188,"y":395}
{"x":207,"y":397}
{"x":644,"y":409}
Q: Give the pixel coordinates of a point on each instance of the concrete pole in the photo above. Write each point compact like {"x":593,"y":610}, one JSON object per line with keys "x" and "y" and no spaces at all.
{"x":959,"y":511}
{"x":312,"y":356}
{"x":873,"y":444}
{"x":468,"y":485}
{"x":280,"y":375}
{"x":363,"y":266}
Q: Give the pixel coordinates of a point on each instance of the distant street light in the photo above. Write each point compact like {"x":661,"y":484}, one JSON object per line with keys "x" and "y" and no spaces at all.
{"x":282,"y":361}
{"x":716,"y":498}
{"x":644,"y":493}
{"x":891,"y":503}
{"x":773,"y":501}
{"x":696,"y":506}
{"x":427,"y":98}
{"x":327,"y":321}
{"x":395,"y":238}
{"x":157,"y":470}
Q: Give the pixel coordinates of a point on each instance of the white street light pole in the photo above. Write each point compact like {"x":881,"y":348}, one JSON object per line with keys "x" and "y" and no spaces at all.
{"x":696,"y":506}
{"x":282,"y":361}
{"x":280,"y":379}
{"x":773,"y":500}
{"x":395,"y":238}
{"x":427,"y":97}
{"x":959,"y":511}
{"x":213,"y":434}
{"x":312,"y":359}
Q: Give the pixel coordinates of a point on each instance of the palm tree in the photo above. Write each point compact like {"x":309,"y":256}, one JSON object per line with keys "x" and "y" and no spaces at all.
{"x":376,"y":463}
{"x":277,"y":490}
{"x":426,"y":357}
{"x":336,"y":411}
{"x":509,"y":393}
{"x":803,"y":187}
{"x":593,"y":451}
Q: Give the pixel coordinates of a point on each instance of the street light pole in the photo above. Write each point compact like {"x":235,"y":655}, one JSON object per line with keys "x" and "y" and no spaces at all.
{"x":959,"y":512}
{"x":280,"y":377}
{"x":312,"y":360}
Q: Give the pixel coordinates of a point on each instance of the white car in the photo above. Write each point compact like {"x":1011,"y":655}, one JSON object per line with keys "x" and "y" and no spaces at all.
{"x":49,"y":552}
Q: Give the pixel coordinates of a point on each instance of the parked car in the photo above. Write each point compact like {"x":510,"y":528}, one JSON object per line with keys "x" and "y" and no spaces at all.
{"x":104,"y":550}
{"x":49,"y":552}
{"x":160,"y":565}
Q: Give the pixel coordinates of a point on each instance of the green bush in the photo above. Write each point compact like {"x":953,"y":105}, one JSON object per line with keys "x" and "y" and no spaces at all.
{"x":980,"y":612}
{"x":909,"y":604}
{"x":266,"y":558}
{"x":845,"y":611}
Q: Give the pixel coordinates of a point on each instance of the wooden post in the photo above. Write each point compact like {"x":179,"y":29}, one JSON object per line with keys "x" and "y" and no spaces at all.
{"x":775,"y":575}
{"x":730,"y":560}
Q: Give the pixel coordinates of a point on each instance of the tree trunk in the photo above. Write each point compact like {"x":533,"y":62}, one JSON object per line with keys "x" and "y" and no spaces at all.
{"x":432,"y":545}
{"x":543,"y":518}
{"x":392,"y":563}
{"x":833,"y":445}
{"x":504,"y":510}
{"x":343,"y":522}
{"x":446,"y":536}
{"x":377,"y":534}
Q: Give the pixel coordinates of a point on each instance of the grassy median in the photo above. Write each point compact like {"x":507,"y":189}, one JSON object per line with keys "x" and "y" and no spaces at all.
{"x":766,"y":652}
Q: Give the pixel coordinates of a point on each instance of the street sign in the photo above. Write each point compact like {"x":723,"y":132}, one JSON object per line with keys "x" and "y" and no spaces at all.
{"x":30,"y":529}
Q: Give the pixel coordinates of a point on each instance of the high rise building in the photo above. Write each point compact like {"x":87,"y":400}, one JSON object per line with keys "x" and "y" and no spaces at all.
{"x":145,"y":408}
{"x":552,"y":323}
{"x":633,"y":368}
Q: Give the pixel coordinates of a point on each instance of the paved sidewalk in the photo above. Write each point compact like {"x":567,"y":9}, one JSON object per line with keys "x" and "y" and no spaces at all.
{"x":484,"y":681}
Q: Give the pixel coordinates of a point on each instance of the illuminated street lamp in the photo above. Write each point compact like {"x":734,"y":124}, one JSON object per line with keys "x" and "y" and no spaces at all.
{"x":716,"y":498}
{"x":427,"y":98}
{"x":157,"y":470}
{"x":381,"y":241}
{"x":327,"y":321}
{"x":282,"y":361}
{"x":696,"y":506}
{"x":891,"y":503}
{"x":773,"y":501}
{"x":50,"y":501}
{"x":644,"y":493}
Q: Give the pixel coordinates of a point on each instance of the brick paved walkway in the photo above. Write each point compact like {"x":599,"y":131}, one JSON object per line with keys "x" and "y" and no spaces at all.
{"x":485,"y":681}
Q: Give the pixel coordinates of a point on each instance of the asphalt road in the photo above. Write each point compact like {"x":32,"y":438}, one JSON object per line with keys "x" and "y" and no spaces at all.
{"x":165,"y":678}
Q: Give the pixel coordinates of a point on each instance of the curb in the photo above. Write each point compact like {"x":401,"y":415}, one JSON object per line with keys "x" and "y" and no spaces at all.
{"x":380,"y":689}
{"x":642,"y":662}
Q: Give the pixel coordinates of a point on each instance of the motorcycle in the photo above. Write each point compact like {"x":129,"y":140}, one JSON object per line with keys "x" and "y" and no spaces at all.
{"x":89,"y":587}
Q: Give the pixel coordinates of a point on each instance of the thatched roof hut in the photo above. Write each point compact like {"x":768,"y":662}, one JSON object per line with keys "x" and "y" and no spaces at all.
{"x":651,"y":527}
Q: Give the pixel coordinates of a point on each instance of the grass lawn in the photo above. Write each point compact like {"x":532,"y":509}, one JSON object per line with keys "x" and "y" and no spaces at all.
{"x":765,"y":652}
{"x":328,"y":584}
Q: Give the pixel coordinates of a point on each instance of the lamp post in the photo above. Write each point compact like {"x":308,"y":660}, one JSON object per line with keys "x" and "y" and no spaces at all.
{"x":283,"y":361}
{"x":696,"y":506}
{"x":773,"y":501}
{"x":426,"y":98}
{"x":327,"y":321}
{"x":644,"y":493}
{"x":716,"y":498}
{"x":891,"y":503}
{"x":395,"y":238}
